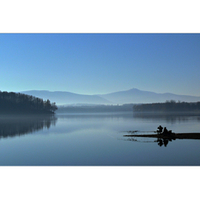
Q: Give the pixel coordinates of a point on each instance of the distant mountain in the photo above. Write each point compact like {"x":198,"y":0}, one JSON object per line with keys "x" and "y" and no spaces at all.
{"x":138,"y":96}
{"x":62,"y":98}
{"x":122,"y":97}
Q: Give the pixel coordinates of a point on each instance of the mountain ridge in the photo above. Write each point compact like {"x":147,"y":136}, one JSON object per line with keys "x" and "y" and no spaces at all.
{"x":62,"y":97}
{"x":132,"y":95}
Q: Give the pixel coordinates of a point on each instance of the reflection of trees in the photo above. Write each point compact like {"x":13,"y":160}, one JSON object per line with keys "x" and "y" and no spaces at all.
{"x":162,"y":141}
{"x":167,"y":117}
{"x":11,"y":126}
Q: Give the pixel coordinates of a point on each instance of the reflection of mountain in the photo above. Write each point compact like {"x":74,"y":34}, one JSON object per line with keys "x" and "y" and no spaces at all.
{"x":16,"y":125}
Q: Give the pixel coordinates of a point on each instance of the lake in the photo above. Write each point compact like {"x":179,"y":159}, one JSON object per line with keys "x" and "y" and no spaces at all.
{"x":96,"y":139}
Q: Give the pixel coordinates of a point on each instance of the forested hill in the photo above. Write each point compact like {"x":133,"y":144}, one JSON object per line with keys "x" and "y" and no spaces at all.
{"x":11,"y":102}
{"x":168,"y":106}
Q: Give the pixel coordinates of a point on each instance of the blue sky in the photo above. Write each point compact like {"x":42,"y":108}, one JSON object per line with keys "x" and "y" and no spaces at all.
{"x":100,"y":63}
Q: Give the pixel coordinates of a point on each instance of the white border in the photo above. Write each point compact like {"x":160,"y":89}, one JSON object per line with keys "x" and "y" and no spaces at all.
{"x":103,"y":16}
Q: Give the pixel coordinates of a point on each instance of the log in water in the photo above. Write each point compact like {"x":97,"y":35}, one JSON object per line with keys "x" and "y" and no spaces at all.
{"x":171,"y":136}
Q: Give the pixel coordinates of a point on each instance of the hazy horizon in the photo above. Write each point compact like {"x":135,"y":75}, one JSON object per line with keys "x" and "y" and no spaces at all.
{"x":119,"y":97}
{"x":164,"y":92}
{"x":101,"y":63}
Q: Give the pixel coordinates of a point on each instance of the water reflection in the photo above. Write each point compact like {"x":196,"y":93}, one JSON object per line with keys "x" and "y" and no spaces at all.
{"x":16,"y":125}
{"x":160,"y":141}
{"x":167,"y":117}
{"x":172,"y":118}
{"x":94,"y":140}
{"x":163,"y":141}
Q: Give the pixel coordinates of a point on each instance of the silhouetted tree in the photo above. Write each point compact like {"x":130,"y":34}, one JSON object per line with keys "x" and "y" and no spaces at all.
{"x":11,"y":102}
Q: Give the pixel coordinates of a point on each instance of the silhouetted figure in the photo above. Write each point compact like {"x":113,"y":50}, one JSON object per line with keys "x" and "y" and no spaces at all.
{"x":165,"y":131}
{"x":160,"y":128}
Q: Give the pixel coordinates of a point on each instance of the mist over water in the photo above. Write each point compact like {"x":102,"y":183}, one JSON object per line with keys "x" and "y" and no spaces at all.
{"x":95,"y":139}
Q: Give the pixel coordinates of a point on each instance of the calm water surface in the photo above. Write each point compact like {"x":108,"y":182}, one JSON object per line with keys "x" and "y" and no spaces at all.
{"x":95,"y":140}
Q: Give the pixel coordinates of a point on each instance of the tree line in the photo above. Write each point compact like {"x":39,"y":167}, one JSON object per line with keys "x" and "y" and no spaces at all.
{"x":168,"y":106}
{"x":11,"y":102}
